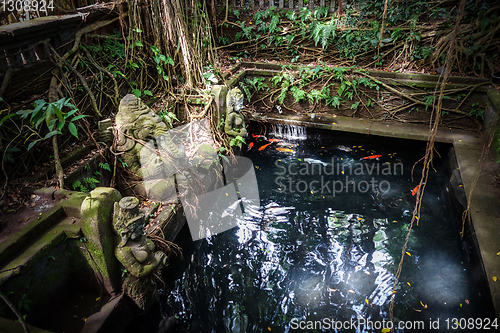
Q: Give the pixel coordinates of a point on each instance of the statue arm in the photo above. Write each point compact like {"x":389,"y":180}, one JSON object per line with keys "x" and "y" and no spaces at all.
{"x":228,"y":127}
{"x":133,"y":266}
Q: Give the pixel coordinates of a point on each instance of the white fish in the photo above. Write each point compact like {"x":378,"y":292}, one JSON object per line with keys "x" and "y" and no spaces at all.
{"x":312,"y":160}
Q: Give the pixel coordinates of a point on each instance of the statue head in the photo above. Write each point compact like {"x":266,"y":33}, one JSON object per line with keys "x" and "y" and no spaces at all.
{"x":234,"y":100}
{"x":128,"y":221}
{"x":135,"y":119}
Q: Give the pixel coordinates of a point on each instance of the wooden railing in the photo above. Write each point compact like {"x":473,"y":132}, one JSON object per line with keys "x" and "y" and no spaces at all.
{"x":290,"y":4}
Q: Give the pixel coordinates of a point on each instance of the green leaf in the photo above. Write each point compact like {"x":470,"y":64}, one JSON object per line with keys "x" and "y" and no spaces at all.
{"x":136,"y":92}
{"x":69,"y":114}
{"x":138,"y":43}
{"x":72,"y":129}
{"x":147,"y":92}
{"x":58,"y":112}
{"x":51,"y":134}
{"x":7,"y":117}
{"x":79,"y":117}
{"x":105,"y":166}
{"x":52,"y":123}
{"x":32,"y":144}
{"x":39,"y":104}
{"x":48,"y":114}
{"x":24,"y":113}
{"x":170,"y":61}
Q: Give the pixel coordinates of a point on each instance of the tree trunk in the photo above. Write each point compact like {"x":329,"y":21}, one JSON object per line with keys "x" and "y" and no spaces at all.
{"x":53,"y":97}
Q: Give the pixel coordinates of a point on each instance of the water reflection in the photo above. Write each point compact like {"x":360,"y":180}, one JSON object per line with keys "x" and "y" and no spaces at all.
{"x":313,"y":256}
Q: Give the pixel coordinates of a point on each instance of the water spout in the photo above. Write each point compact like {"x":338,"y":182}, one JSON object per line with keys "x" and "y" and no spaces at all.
{"x":289,"y":132}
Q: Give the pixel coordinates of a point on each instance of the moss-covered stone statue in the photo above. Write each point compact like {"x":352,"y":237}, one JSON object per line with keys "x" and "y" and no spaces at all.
{"x":143,"y":142}
{"x":136,"y":252}
{"x":235,"y":125}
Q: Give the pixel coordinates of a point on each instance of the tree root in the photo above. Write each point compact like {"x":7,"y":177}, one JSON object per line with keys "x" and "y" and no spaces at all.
{"x":60,"y":60}
{"x":16,"y":312}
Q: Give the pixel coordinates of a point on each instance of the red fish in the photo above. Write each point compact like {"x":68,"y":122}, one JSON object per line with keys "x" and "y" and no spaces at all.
{"x":264,"y":146}
{"x":250,"y":146}
{"x":371,"y":157}
{"x":415,"y":190}
{"x":258,"y":136}
{"x":286,"y":150}
{"x":274,"y":140}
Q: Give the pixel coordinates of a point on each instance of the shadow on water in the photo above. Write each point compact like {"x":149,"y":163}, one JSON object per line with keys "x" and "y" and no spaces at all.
{"x":313,"y":251}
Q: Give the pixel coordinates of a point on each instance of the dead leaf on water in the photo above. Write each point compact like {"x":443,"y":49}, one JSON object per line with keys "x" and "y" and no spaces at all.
{"x":495,"y":278}
{"x":408,"y":253}
{"x":351,"y":291}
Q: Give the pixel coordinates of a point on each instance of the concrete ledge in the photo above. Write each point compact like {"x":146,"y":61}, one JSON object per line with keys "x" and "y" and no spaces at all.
{"x":69,"y":228}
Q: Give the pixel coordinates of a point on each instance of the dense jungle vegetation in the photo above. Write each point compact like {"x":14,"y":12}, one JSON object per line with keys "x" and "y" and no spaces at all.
{"x":170,"y":53}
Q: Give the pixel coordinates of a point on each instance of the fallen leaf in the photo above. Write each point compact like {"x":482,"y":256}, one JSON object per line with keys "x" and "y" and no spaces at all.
{"x":332,"y":289}
{"x":386,"y":330}
{"x":367,"y":302}
{"x":467,"y":301}
{"x":351,"y":291}
{"x":417,"y":310}
{"x":408,"y":253}
{"x":495,"y":278}
{"x":408,"y":283}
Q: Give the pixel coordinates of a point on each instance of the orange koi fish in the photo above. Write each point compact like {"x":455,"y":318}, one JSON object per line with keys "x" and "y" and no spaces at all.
{"x":371,"y":157}
{"x":264,"y":146}
{"x":250,"y":146}
{"x":415,"y":190}
{"x":258,"y":136}
{"x":274,"y":140}
{"x":285,"y":150}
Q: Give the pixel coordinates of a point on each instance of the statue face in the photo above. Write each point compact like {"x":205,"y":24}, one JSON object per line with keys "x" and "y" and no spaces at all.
{"x":238,"y":105}
{"x":138,"y":231}
{"x":149,"y":126}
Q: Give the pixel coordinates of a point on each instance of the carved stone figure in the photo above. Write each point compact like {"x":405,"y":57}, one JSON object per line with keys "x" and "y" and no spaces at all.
{"x":136,"y":252}
{"x":235,"y":124}
{"x":145,"y":146}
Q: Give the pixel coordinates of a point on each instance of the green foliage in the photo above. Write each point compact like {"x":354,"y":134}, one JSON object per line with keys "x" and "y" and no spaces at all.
{"x":124,"y":164}
{"x":237,"y":141}
{"x":89,"y":183}
{"x":428,"y":100}
{"x":251,"y":86}
{"x":24,"y":303}
{"x":54,"y":117}
{"x":168,"y":116}
{"x":476,"y":111}
{"x":138,"y":93}
{"x":324,"y":33}
{"x":422,"y":52}
{"x":161,"y":61}
{"x":105,"y":166}
{"x":298,"y":94}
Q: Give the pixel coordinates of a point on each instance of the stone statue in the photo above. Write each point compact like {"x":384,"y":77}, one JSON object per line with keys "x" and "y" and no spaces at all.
{"x":149,"y":153}
{"x":235,"y":124}
{"x":136,"y":252}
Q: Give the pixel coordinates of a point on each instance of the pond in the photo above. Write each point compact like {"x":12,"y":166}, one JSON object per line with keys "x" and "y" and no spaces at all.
{"x":321,"y":251}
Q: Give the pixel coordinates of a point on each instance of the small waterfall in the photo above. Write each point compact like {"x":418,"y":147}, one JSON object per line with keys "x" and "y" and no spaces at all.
{"x":289,"y":132}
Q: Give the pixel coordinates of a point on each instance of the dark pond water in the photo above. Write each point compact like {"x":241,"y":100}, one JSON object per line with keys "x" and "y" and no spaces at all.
{"x":324,"y":245}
